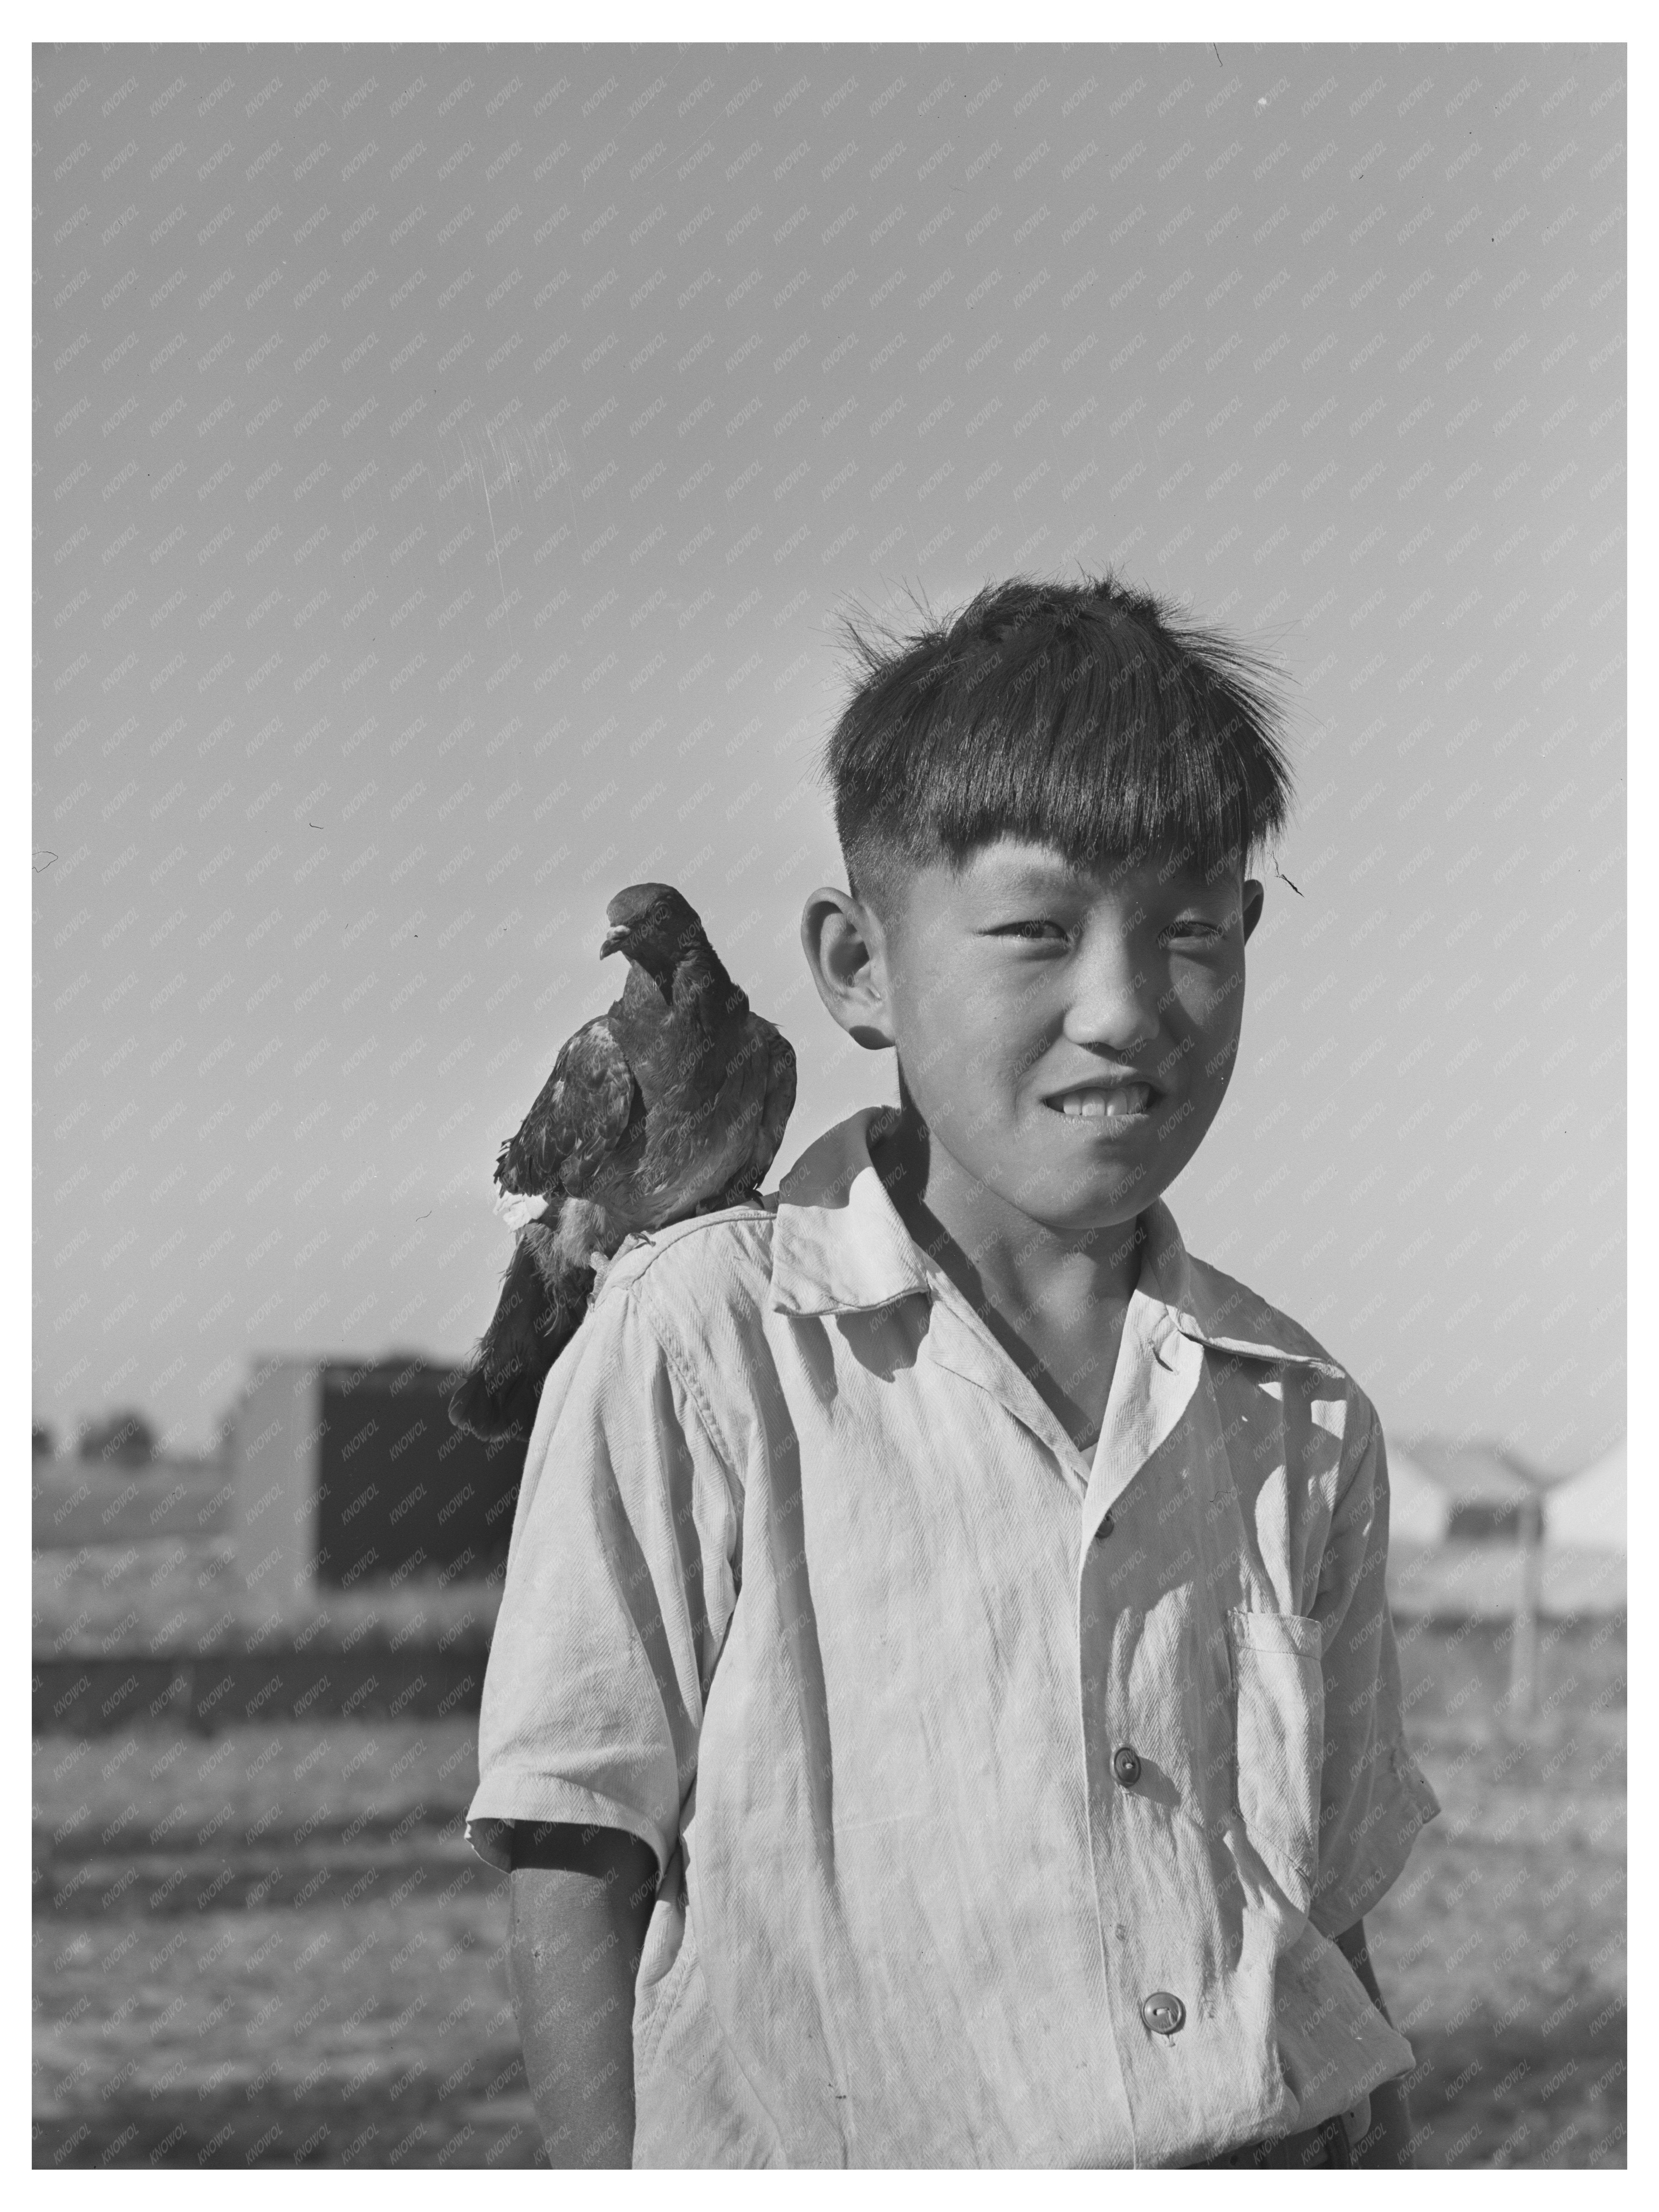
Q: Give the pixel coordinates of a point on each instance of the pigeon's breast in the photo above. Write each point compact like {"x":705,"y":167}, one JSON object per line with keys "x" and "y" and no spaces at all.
{"x":687,"y":1146}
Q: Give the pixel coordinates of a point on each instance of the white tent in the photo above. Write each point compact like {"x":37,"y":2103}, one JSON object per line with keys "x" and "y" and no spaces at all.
{"x":1588,"y":1510}
{"x":1419,"y":1507}
{"x":1438,"y":1565}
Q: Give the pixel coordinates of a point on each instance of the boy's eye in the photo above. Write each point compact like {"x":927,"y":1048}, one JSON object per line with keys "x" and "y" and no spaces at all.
{"x":1031,"y":930}
{"x":1200,"y":930}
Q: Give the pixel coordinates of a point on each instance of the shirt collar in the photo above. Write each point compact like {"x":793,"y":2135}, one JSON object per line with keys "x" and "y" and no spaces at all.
{"x":839,"y":1246}
{"x":1213,"y":1308}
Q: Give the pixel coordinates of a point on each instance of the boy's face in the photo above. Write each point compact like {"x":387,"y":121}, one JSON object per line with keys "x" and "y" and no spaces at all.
{"x":1023,"y":980}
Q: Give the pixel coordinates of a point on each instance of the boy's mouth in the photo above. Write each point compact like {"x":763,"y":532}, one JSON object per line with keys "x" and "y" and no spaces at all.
{"x":1102,"y":1102}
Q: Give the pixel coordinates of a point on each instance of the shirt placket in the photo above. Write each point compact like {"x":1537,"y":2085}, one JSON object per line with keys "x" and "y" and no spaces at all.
{"x":1148,"y":1968}
{"x":1142,"y":2010}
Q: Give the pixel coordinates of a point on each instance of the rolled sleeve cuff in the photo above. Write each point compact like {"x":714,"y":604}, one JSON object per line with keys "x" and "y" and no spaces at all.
{"x":1375,"y":1853}
{"x":508,"y":1798}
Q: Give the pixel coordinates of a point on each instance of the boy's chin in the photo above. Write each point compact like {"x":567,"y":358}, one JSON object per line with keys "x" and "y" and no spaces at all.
{"x":1074,"y":1207}
{"x":1065,"y":1199}
{"x":1076,"y":1224}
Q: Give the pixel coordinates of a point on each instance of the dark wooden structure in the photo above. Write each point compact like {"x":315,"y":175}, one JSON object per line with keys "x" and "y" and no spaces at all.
{"x":398,"y":1485}
{"x":349,"y":1472}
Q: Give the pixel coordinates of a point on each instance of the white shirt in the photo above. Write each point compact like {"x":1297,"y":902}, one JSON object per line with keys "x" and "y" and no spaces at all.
{"x":962,"y":1755}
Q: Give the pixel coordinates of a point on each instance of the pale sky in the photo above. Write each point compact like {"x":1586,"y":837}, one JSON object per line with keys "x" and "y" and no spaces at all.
{"x":450,"y":464}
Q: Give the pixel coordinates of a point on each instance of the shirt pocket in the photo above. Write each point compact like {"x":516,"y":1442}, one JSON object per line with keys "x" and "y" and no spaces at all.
{"x":1277,"y":1666}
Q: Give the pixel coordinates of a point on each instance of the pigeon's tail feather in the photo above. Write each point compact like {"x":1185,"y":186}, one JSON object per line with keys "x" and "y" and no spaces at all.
{"x":542,"y":1302}
{"x":540,"y":1308}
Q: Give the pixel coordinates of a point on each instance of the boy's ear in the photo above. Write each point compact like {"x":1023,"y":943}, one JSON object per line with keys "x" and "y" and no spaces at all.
{"x":846,"y":951}
{"x":1254,"y":897}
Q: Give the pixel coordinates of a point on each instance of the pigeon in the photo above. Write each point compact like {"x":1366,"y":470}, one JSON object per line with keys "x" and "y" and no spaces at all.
{"x":671,"y":1104}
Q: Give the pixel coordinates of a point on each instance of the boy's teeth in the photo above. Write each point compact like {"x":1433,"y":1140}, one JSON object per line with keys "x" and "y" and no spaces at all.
{"x":1100,"y":1105}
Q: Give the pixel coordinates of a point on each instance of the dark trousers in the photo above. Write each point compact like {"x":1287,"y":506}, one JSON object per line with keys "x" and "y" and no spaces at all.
{"x":1327,"y":2145}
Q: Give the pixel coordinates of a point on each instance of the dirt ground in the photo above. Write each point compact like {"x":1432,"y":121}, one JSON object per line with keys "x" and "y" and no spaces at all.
{"x":272,"y":1947}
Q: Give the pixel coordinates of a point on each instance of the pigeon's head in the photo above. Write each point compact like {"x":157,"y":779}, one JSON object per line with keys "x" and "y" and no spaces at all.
{"x":652,"y":925}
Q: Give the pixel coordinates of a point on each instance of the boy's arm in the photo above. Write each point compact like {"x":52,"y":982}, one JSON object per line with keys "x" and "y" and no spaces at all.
{"x":581,"y":1900}
{"x":621,"y":1580}
{"x":1388,"y":2142}
{"x":1374,"y":1797}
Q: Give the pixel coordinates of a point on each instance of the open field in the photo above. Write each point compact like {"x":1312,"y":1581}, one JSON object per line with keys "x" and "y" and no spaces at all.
{"x":78,"y":1501}
{"x":271,"y":1947}
{"x":181,"y":1594}
{"x":1501,"y":1950}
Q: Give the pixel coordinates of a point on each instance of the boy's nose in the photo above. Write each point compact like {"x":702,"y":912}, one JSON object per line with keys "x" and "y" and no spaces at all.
{"x":1114,"y":1005}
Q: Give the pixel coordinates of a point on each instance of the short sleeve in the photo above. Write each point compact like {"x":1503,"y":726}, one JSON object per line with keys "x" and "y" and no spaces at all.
{"x":1374,"y":1798}
{"x":619,"y":1588}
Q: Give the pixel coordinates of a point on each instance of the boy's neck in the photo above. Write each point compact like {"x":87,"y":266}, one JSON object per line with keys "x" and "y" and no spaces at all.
{"x":1050,"y":1301}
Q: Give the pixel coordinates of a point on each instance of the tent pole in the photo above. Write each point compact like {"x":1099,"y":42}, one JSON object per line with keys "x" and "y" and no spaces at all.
{"x":1523,"y":1627}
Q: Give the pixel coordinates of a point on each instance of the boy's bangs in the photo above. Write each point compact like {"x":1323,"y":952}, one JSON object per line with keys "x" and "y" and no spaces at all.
{"x":1077,"y":718}
{"x":1130,"y":769}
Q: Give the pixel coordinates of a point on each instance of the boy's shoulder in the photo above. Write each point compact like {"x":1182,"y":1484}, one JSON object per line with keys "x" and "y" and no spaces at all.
{"x":1228,"y":1309}
{"x":715,"y":1258}
{"x":1228,"y":1317}
{"x":723,"y":1261}
{"x":1257,"y":1347}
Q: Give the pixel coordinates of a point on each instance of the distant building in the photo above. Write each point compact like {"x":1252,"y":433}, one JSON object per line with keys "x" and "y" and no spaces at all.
{"x":1472,"y":1532}
{"x":1486,"y":1497}
{"x":348,"y":1473}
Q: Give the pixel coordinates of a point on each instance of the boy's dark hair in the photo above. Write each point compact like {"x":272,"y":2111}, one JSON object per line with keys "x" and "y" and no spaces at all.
{"x":1078,"y":715}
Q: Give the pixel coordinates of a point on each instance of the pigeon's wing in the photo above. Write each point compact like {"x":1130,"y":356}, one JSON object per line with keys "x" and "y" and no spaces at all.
{"x":780,"y":1101}
{"x":580,"y":1118}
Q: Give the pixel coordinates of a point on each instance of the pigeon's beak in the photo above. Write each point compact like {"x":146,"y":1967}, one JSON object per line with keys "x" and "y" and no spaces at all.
{"x":614,"y":940}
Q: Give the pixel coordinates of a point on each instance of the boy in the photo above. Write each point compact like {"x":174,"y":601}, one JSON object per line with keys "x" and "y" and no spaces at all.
{"x":943,"y":1642}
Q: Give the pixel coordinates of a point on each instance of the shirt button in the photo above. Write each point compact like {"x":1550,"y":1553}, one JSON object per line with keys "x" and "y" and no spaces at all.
{"x":1126,"y":1764}
{"x":1163,"y":2013}
{"x":1104,"y":1529}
